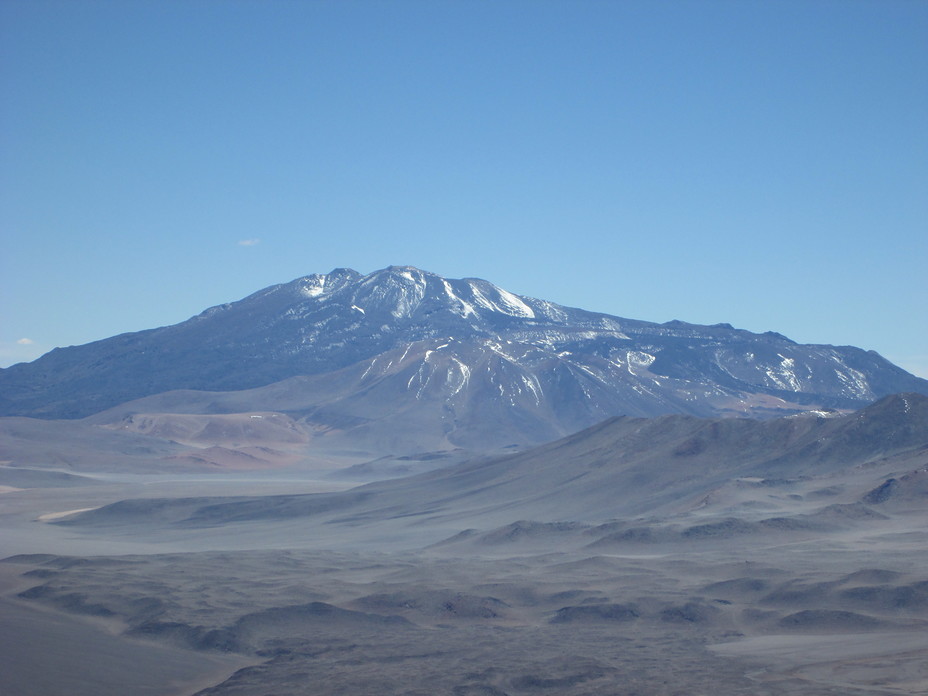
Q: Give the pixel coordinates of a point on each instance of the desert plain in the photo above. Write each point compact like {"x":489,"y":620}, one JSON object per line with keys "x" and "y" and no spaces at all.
{"x":643,"y":556}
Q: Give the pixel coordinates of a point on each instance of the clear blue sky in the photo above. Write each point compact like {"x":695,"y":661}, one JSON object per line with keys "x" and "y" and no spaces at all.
{"x":758,"y":162}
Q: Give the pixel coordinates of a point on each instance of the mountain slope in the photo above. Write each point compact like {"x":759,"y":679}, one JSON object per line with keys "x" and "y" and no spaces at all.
{"x":462,"y":360}
{"x":624,"y":467}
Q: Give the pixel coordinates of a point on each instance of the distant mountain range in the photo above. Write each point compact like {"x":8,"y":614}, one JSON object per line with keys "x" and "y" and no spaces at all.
{"x":413,"y":361}
{"x":821,"y":469}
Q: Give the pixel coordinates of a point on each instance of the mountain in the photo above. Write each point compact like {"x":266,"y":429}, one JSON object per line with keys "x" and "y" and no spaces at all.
{"x":431,"y":362}
{"x":622,"y":468}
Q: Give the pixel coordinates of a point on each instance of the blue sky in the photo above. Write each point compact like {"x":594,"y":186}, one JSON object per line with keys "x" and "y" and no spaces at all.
{"x":762,"y":163}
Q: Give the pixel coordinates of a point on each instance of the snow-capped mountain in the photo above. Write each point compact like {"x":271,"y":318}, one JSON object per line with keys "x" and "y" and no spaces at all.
{"x":403,"y":350}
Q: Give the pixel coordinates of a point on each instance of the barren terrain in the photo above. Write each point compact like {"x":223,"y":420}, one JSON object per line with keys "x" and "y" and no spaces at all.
{"x":513,"y":575}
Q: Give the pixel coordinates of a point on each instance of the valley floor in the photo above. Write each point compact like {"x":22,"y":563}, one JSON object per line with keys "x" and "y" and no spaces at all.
{"x":530,"y":609}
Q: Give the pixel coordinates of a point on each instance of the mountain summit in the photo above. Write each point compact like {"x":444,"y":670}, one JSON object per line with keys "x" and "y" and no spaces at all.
{"x":401,"y":349}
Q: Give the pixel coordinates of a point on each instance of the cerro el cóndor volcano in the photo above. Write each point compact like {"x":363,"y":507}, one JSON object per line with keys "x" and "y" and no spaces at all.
{"x":406,"y":355}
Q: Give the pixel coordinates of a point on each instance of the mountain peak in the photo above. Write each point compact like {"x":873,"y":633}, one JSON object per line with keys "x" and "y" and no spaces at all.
{"x":317,"y":284}
{"x":406,"y":292}
{"x":476,"y":350}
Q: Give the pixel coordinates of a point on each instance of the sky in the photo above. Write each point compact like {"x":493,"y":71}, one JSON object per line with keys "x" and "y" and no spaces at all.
{"x":757,"y":162}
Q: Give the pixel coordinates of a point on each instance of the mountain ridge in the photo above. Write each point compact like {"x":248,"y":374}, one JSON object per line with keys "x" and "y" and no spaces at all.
{"x":620,"y":468}
{"x":468,"y":361}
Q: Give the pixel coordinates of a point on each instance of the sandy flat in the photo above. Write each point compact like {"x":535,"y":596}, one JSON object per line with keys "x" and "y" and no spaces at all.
{"x":879,"y":663}
{"x":49,"y":516}
{"x":45,"y":653}
{"x":809,"y":649}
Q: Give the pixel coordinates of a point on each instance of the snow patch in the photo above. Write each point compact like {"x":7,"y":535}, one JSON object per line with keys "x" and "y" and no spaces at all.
{"x":783,"y":375}
{"x":514,"y":305}
{"x":314,"y":286}
{"x":534,"y":386}
{"x":637,"y":359}
{"x":464,"y":378}
{"x":854,"y":381}
{"x":369,"y":368}
{"x":508,"y":303}
{"x":552,"y":311}
{"x":461,"y":307}
{"x":422,"y":377}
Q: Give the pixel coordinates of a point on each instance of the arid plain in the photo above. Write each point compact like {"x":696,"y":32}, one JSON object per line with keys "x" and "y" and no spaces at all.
{"x":592,"y":565}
